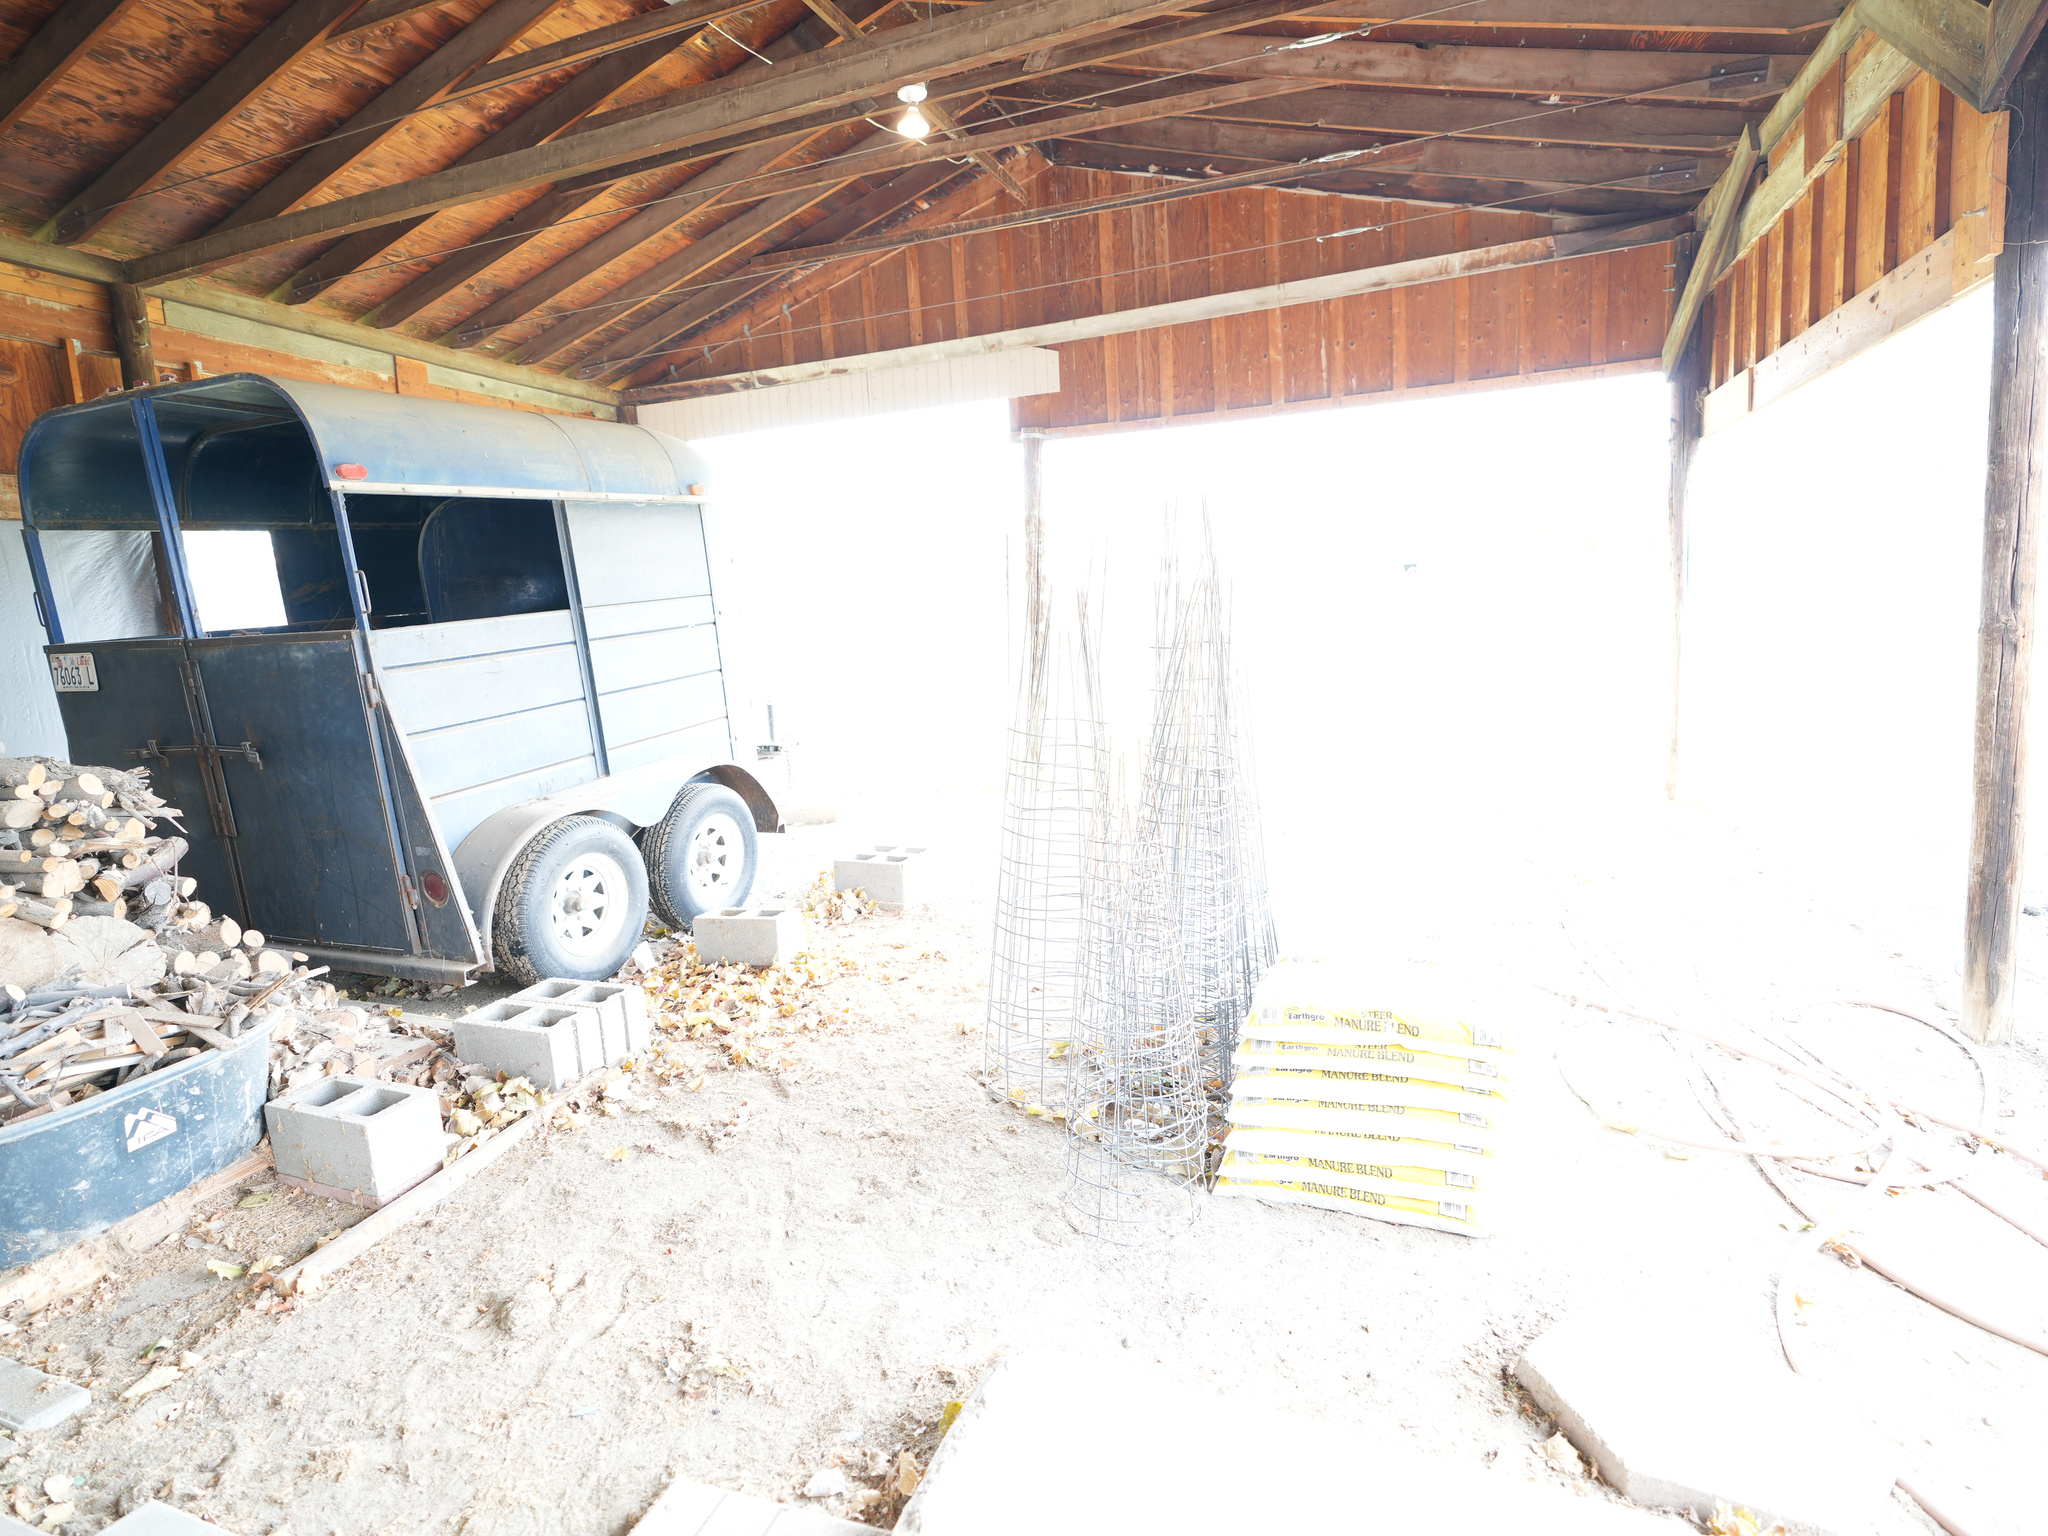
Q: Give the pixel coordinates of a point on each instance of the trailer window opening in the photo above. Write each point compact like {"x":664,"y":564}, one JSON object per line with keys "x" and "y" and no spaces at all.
{"x":108,"y":583}
{"x":234,"y":579}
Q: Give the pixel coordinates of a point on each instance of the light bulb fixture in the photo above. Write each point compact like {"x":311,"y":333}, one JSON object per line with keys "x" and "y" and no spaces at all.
{"x":913,"y":124}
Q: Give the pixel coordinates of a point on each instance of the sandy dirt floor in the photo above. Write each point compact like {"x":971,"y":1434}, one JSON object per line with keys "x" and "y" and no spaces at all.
{"x":791,"y":1269}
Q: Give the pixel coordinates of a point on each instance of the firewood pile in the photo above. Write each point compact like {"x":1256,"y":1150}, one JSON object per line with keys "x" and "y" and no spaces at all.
{"x":76,"y":842}
{"x":109,"y":967}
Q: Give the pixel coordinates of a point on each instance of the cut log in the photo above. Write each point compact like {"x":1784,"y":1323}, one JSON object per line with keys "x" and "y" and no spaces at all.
{"x":162,"y":862}
{"x":44,"y":914}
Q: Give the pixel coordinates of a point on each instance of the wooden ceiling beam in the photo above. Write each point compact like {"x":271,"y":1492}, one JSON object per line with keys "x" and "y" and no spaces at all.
{"x":1538,"y":169}
{"x":551,"y":116}
{"x":1770,"y":18}
{"x":302,"y":27}
{"x":1002,"y":40}
{"x":1564,"y":165}
{"x":690,"y":16}
{"x":2014,"y":26}
{"x":567,"y":197}
{"x":620,"y":302}
{"x":963,"y":200}
{"x":565,"y":200}
{"x":438,"y":75}
{"x":378,"y":13}
{"x":42,"y":62}
{"x":876,"y":207}
{"x":1690,"y":129}
{"x":1947,"y":38}
{"x":1706,"y":79}
{"x":1413,"y":187}
{"x":900,"y":154}
{"x":637,"y":228}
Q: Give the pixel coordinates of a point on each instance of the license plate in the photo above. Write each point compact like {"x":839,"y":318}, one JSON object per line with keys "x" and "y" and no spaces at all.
{"x":73,"y":672}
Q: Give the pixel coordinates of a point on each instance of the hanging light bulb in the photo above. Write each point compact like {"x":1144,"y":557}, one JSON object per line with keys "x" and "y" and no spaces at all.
{"x":913,"y":124}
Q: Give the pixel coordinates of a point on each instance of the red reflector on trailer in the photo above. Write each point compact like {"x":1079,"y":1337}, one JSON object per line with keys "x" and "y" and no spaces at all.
{"x":351,"y":471}
{"x":435,"y":887}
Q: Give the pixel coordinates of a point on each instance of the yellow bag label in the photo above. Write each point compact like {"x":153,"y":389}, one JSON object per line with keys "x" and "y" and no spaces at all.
{"x":1278,"y":1126}
{"x":1396,"y":1002}
{"x":1290,"y":1166}
{"x":1411,"y":1089}
{"x":1455,"y":1215}
{"x":1424,"y":1112}
{"x":1433,"y":1065}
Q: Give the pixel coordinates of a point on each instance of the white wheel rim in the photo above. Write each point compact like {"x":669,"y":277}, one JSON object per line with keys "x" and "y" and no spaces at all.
{"x":589,"y":904}
{"x":717,"y":857}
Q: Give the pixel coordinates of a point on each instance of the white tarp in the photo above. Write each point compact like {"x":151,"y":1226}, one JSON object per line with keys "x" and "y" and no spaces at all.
{"x":28,"y":705}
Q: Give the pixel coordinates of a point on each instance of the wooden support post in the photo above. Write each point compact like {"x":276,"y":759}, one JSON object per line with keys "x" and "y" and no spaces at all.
{"x":1688,"y":392}
{"x":132,"y":335}
{"x":2013,"y":495}
{"x":1037,"y":610}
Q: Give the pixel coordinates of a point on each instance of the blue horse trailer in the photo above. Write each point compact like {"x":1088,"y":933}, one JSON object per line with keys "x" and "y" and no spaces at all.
{"x":481,"y":723}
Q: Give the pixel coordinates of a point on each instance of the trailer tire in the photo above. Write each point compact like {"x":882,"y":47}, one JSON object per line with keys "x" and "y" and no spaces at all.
{"x":573,"y":904}
{"x":690,"y":854}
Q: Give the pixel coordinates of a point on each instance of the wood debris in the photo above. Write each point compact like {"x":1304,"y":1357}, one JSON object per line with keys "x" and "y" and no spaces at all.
{"x":110,"y":968}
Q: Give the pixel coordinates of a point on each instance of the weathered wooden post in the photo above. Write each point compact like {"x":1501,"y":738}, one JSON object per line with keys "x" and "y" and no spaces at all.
{"x":2013,"y":489}
{"x":132,"y":336}
{"x":1688,"y":388}
{"x":1037,"y":610}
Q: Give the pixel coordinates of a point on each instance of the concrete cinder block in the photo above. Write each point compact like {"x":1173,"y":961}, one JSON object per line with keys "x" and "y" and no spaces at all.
{"x":1626,"y":1386}
{"x":355,"y":1139}
{"x":31,"y":1401}
{"x":545,"y":1045}
{"x":757,"y":936}
{"x":891,"y":874}
{"x":620,"y":1007}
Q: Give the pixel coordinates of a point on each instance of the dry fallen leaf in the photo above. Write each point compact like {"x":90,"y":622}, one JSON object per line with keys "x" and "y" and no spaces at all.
{"x":907,"y":1474}
{"x":224,"y":1269}
{"x":617,"y":1154}
{"x":158,"y":1378}
{"x":266,"y":1264}
{"x":57,"y":1514}
{"x":258,"y":1199}
{"x":952,"y":1412}
{"x":1558,"y":1451}
{"x":57,"y":1486}
{"x":702,"y":1079}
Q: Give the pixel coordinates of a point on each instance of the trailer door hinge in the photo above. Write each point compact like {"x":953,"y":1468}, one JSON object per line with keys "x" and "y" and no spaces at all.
{"x":375,"y":694}
{"x":409,"y":892}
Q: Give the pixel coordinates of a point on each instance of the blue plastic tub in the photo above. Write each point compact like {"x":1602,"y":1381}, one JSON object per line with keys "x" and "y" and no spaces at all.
{"x":74,"y":1174}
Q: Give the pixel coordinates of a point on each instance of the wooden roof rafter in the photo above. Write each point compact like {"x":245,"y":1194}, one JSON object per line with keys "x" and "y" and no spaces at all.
{"x":625,"y":178}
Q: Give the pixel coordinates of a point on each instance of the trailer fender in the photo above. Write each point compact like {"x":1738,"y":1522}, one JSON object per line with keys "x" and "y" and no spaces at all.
{"x":637,"y":798}
{"x":748,"y":788}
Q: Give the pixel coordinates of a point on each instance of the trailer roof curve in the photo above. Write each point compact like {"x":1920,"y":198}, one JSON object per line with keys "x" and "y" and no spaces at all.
{"x":83,"y":464}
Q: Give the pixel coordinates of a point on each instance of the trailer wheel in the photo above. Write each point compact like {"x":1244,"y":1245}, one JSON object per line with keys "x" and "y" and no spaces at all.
{"x":573,"y":903}
{"x":701,"y":856}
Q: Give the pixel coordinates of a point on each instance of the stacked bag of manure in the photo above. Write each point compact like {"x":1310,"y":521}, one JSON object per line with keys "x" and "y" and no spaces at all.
{"x":1370,"y":1092}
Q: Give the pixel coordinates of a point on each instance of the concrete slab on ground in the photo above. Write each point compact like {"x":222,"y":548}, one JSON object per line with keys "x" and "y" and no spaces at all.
{"x":159,"y":1519}
{"x":1188,"y":1459}
{"x":697,"y":1509}
{"x":30,"y":1400}
{"x":1682,"y":1409}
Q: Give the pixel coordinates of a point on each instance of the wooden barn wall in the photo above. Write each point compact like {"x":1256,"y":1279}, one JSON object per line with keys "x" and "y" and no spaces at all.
{"x":1907,"y":215}
{"x":1570,"y":319}
{"x":57,"y":348}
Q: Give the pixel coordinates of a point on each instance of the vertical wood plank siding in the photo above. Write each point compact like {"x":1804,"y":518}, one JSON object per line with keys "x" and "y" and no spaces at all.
{"x":1928,"y":165}
{"x":1590,"y":315}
